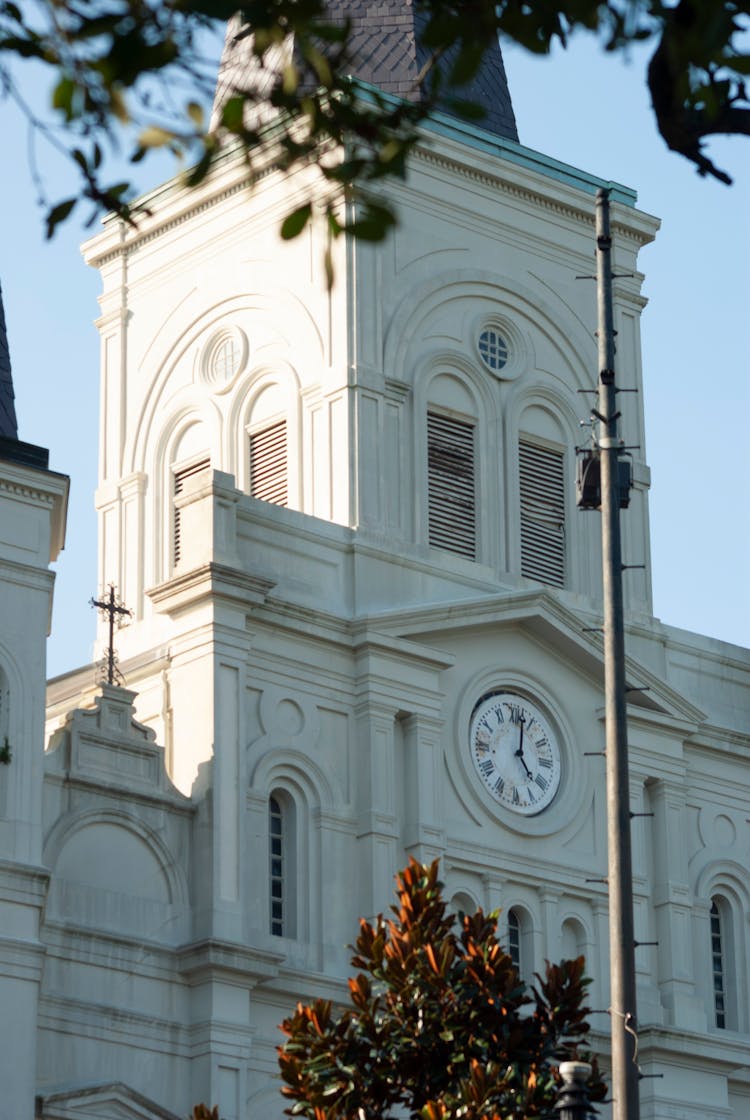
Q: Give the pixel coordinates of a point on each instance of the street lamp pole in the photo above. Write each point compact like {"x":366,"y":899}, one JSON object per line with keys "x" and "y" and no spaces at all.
{"x":620,"y":872}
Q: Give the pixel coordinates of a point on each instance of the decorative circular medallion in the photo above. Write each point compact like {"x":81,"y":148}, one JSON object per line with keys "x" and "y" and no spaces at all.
{"x":515,"y":752}
{"x":224,"y":356}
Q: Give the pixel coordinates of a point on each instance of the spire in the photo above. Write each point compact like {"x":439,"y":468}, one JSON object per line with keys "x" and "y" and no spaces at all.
{"x":8,"y":425}
{"x":386,"y":52}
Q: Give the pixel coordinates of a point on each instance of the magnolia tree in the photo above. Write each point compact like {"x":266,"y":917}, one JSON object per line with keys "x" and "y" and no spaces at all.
{"x":439,"y":1027}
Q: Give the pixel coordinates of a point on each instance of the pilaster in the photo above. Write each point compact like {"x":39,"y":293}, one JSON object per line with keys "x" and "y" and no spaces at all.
{"x":672,"y":904}
{"x":424,"y":832}
{"x":378,"y":833}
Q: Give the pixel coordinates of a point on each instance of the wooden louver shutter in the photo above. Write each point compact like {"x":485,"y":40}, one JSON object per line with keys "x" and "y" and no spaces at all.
{"x":451,"y":484}
{"x":268,"y":464}
{"x":180,"y":477}
{"x":541,"y":472}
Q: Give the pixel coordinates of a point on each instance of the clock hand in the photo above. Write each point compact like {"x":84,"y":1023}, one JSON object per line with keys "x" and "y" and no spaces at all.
{"x":519,"y":752}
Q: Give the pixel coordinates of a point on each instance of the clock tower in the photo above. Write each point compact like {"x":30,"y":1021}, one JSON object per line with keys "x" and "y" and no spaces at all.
{"x":365,"y":624}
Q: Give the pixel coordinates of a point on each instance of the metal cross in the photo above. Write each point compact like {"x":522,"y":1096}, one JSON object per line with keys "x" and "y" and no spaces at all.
{"x":111,"y":608}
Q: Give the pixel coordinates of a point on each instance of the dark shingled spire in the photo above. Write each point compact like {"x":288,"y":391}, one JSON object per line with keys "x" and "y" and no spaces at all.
{"x":8,"y":425}
{"x":386,"y":52}
{"x":11,"y":447}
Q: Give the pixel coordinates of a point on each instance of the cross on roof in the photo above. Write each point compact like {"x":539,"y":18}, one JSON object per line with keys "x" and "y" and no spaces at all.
{"x":112,"y":608}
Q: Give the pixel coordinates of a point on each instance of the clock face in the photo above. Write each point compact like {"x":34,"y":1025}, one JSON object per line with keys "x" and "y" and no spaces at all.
{"x":515,"y":752}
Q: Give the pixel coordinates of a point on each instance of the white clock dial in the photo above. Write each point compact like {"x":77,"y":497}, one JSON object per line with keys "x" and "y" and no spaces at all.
{"x":515,"y":752}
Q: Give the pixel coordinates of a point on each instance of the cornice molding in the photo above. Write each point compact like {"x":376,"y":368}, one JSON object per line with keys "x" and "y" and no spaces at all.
{"x":28,"y":493}
{"x":529,"y":194}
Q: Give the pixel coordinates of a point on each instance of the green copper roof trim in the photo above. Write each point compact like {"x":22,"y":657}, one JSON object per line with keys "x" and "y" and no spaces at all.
{"x":474,"y":136}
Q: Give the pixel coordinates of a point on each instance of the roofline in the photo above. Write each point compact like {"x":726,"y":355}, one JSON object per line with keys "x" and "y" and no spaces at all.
{"x":474,"y":136}
{"x":114,"y":238}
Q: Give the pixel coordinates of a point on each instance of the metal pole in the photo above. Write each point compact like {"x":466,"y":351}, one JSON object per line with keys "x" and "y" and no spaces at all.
{"x":620,"y":871}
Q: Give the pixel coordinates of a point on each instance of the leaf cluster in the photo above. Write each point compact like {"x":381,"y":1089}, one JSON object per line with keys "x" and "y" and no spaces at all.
{"x":142,"y":68}
{"x":439,"y":1024}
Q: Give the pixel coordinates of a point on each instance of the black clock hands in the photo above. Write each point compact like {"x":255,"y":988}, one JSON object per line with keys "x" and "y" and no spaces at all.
{"x":519,"y":752}
{"x":515,"y":753}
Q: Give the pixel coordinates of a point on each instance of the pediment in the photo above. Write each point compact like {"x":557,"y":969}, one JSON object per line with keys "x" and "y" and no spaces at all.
{"x":555,"y":627}
{"x":108,"y":1101}
{"x":106,"y":745}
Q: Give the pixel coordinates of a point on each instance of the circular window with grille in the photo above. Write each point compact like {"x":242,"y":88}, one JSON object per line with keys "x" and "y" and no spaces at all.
{"x":494,"y":349}
{"x":224,"y":356}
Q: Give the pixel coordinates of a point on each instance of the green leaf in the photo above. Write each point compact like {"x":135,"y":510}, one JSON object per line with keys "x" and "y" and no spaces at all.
{"x":232,"y":113}
{"x":295,"y":222}
{"x":155,"y":137}
{"x":58,"y":214}
{"x":195,"y":112}
{"x":62,"y":97}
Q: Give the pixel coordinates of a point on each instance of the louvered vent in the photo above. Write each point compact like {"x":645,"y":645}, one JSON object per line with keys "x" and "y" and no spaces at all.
{"x":542,"y":513}
{"x":451,"y":484}
{"x":268,"y":464}
{"x":180,"y":477}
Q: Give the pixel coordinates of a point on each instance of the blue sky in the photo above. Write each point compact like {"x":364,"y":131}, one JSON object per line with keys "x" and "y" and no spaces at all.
{"x":579,"y":106}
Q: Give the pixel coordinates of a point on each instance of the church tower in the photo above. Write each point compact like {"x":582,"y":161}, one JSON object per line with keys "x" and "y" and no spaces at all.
{"x":33,"y":502}
{"x":344,"y":521}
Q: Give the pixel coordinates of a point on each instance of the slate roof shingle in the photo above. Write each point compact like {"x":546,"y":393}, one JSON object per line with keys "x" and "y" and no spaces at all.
{"x":8,"y":424}
{"x":386,"y":52}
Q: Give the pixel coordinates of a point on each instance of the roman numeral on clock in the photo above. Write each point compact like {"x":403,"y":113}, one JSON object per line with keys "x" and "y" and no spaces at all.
{"x":546,"y":763}
{"x":541,"y":781}
{"x":487,"y":766}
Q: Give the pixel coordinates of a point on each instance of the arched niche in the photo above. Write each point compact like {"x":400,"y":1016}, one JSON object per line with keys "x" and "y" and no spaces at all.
{"x":455,"y":305}
{"x":452,"y":393}
{"x":543,"y":422}
{"x":110,"y":872}
{"x":279,"y":328}
{"x":573,"y":938}
{"x":103,"y":855}
{"x":191,"y":441}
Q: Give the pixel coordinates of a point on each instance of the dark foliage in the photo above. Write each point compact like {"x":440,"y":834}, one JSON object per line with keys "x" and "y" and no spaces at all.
{"x":440,"y":1025}
{"x":134,"y":64}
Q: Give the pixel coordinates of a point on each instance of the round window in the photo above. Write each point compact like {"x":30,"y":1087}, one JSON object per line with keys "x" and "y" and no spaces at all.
{"x":493,"y":349}
{"x":223,"y":357}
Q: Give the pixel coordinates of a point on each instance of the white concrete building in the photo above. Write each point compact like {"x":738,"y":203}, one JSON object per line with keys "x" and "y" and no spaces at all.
{"x":345,"y":523}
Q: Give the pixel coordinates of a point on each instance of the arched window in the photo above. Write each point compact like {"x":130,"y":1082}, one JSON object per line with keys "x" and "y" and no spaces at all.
{"x":542,"y":504}
{"x":3,"y":704}
{"x":268,"y":447}
{"x":190,"y":458}
{"x":573,"y":939}
{"x":282,"y":876}
{"x":521,"y":941}
{"x":514,"y":939}
{"x":4,"y":716}
{"x":181,"y":475}
{"x":451,"y":484}
{"x":718,"y":964}
{"x":463,"y":903}
{"x":452,"y":466}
